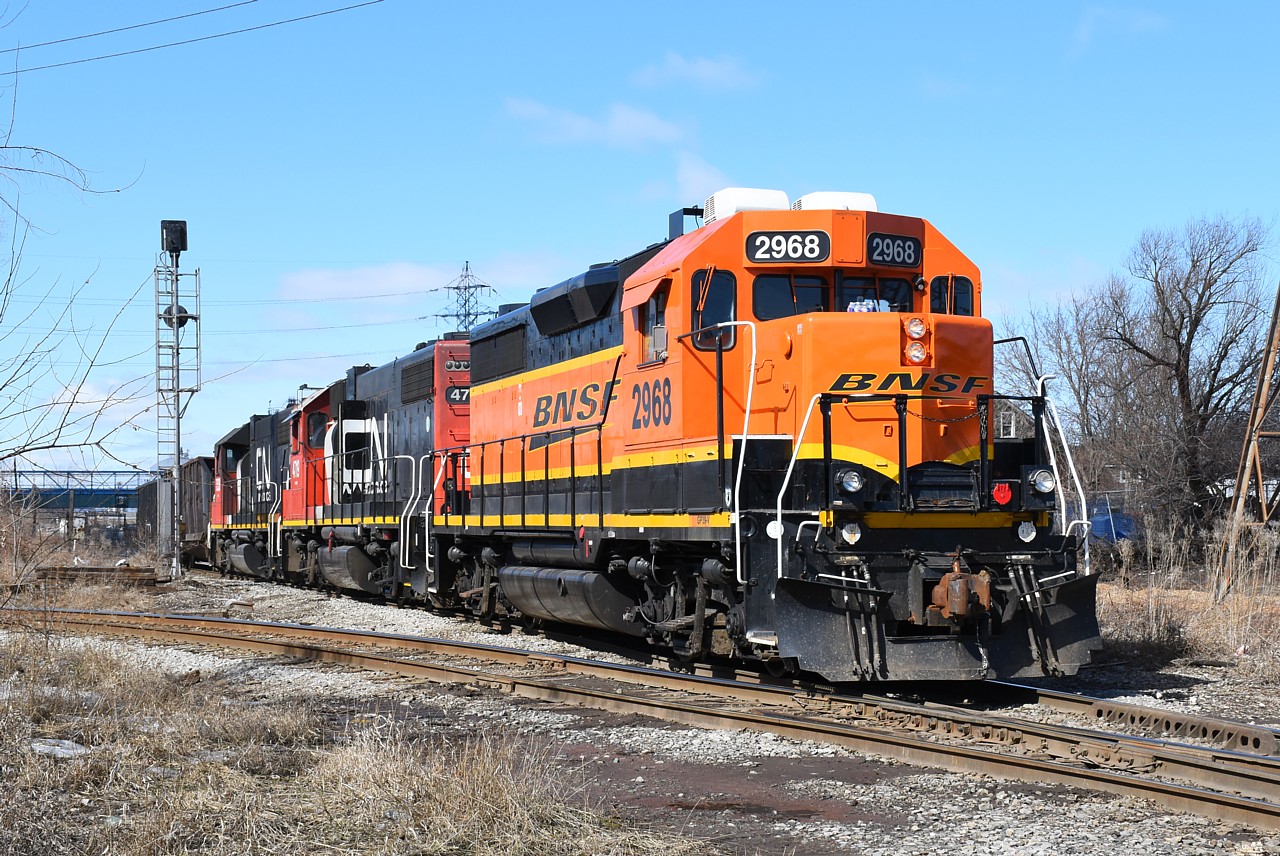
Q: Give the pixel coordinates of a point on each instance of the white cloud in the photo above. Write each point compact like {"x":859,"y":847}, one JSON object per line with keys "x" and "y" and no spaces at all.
{"x":622,"y":125}
{"x":721,"y":73}
{"x":1097,"y":21}
{"x":696,"y":179}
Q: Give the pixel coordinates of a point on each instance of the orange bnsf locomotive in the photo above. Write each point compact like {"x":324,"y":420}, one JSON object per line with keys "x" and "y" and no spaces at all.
{"x":771,"y":438}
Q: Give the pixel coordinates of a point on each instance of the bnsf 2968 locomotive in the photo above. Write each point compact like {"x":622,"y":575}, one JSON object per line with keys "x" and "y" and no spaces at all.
{"x":770,"y":438}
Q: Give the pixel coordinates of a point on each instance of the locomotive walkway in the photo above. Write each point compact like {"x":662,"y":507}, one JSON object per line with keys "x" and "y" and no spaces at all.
{"x":1239,"y":784}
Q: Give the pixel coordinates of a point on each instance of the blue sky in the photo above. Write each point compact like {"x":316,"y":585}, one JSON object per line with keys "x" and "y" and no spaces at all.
{"x":374,"y":151}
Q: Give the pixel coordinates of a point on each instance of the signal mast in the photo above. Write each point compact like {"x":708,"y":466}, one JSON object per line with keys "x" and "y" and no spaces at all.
{"x":177,"y":374}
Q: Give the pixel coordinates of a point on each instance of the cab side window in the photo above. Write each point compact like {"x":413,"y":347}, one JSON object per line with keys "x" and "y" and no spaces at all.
{"x":714,"y":300}
{"x":316,"y":425}
{"x":653,"y":324}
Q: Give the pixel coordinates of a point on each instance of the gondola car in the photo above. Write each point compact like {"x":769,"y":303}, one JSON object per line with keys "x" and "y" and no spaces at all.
{"x":155,"y":511}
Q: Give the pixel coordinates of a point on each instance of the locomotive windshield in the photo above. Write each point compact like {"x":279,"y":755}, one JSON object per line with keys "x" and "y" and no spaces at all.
{"x":951,"y":295}
{"x":713,"y":303}
{"x":874,"y":294}
{"x":779,"y":295}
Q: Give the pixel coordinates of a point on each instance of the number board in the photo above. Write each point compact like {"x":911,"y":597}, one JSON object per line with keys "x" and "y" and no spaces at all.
{"x":775,"y":247}
{"x":458,"y":395}
{"x":896,"y":250}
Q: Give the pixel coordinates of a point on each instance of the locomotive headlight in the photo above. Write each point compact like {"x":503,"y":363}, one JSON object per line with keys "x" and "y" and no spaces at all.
{"x":916,"y":352}
{"x":1026,"y":531}
{"x":851,"y":532}
{"x":850,"y":481}
{"x":916,"y":328}
{"x":1042,"y":481}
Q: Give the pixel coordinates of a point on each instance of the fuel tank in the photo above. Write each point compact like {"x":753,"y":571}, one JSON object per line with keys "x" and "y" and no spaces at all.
{"x":349,"y":567}
{"x":570,"y":596}
{"x":247,"y":559}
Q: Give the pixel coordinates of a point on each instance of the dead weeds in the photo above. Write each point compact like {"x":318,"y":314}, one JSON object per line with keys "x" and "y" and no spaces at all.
{"x":1164,"y":601}
{"x":102,"y":755}
{"x":1155,"y":625}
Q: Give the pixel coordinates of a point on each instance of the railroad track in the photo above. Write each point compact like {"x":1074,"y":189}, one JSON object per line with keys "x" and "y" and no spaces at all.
{"x":1239,"y":784}
{"x":124,"y":575}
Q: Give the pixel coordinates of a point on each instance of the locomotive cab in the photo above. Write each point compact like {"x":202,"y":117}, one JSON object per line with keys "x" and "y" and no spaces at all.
{"x":837,"y":363}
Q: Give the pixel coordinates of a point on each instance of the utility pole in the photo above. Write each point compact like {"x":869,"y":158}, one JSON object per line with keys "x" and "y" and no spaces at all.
{"x":175,"y":350}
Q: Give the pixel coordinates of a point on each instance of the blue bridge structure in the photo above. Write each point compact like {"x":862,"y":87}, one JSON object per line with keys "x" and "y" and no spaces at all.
{"x":74,"y":490}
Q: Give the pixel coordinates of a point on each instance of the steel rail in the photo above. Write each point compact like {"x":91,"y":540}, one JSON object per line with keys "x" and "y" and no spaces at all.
{"x":1242,"y":736}
{"x":1257,"y":807}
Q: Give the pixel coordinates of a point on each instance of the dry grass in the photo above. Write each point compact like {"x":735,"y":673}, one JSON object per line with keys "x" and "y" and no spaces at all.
{"x":184,"y":764}
{"x":81,"y":596}
{"x":1163,"y":605}
{"x":29,"y":540}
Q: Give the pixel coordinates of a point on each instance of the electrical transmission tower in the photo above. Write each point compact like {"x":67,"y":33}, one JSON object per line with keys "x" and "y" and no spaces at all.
{"x":467,"y":308}
{"x":1257,"y":494}
{"x":177,"y":374}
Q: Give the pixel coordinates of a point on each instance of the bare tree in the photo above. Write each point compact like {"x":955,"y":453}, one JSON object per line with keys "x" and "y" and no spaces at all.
{"x":57,"y":395}
{"x":1161,"y":363}
{"x":1191,"y":317}
{"x":52,"y":396}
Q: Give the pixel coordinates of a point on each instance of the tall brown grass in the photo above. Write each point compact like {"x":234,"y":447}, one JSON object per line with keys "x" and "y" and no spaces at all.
{"x":191,"y":764}
{"x":1162,"y":602}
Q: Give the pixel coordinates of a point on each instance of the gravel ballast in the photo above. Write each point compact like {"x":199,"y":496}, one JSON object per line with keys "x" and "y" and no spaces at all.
{"x":741,"y":792}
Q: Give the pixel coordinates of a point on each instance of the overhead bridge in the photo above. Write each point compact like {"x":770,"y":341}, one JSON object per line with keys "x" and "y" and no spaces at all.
{"x":74,"y":490}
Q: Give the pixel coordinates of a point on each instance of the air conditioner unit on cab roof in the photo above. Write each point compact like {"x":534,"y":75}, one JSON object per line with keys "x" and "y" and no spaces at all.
{"x":835,"y":200}
{"x":731,"y":200}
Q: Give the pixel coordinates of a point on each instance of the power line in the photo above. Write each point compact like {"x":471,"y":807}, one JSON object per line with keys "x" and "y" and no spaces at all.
{"x":365,"y":357}
{"x":106,"y":301}
{"x":123,"y":29}
{"x":89,"y":331}
{"x":190,"y":41}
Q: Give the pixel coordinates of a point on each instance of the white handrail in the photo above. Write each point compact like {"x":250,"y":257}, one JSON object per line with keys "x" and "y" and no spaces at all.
{"x":786,"y":478}
{"x":426,"y":511}
{"x":742,"y":450}
{"x":407,"y":512}
{"x":1083,"y":521}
